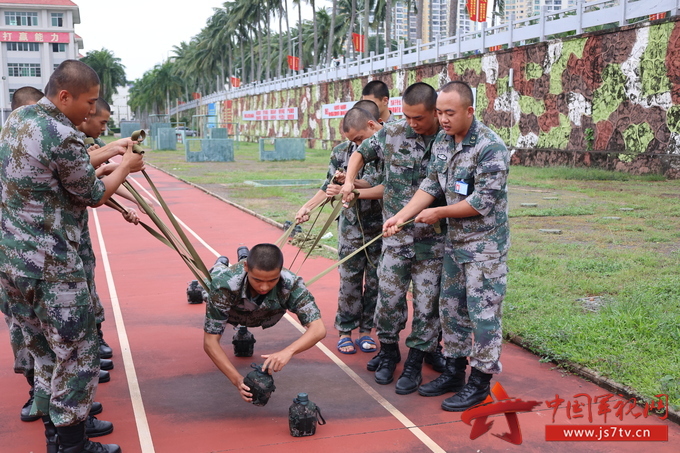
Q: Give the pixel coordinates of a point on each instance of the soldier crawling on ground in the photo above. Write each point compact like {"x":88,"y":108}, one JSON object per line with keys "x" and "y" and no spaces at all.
{"x":257,"y":291}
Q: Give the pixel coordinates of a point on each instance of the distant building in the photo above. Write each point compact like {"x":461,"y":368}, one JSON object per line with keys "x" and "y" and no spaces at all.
{"x":35,"y":37}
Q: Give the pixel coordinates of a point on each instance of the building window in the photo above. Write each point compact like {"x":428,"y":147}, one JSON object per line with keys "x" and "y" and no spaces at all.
{"x":23,"y":69}
{"x":57,"y":47}
{"x":57,"y":19}
{"x":23,"y":46}
{"x":11,"y":94}
{"x":21,"y":18}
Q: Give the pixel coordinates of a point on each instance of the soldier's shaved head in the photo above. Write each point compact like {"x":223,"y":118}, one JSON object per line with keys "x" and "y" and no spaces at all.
{"x":73,"y":76}
{"x":357,"y":119}
{"x":370,"y":106}
{"x":420,"y":93}
{"x":26,"y":96}
{"x":463,"y":90}
{"x":265,"y":257}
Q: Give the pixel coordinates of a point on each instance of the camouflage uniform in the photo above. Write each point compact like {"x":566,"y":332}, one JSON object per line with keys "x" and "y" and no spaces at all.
{"x":231,"y":302}
{"x":89,"y":260}
{"x":47,"y":184}
{"x":413,"y":255}
{"x":356,"y":308}
{"x":475,"y":270}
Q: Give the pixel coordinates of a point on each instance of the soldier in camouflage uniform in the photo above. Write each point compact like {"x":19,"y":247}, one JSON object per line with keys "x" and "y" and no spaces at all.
{"x":358,"y":290}
{"x":403,"y":150}
{"x":257,"y":292}
{"x":92,"y":127}
{"x":470,"y":166}
{"x":47,"y":182}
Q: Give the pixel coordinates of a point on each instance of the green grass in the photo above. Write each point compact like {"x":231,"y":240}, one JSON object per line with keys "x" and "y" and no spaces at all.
{"x":633,"y":263}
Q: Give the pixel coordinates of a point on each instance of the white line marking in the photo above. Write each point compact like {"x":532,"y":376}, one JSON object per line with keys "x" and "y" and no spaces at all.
{"x":396,"y":413}
{"x":143,"y":430}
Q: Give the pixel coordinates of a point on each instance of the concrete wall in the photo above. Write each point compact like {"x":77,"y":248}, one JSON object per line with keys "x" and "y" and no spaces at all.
{"x":609,"y":98}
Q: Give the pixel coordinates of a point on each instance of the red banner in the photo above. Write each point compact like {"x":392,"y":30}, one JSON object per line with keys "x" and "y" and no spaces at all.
{"x":196,"y":95}
{"x":235,"y":82}
{"x":293,"y":63}
{"x":359,"y":42}
{"x":657,"y":16}
{"x":30,"y":36}
{"x":477,"y":10}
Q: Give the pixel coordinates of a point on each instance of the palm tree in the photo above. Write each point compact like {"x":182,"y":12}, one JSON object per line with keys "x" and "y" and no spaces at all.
{"x":109,"y":69}
{"x":331,"y":35}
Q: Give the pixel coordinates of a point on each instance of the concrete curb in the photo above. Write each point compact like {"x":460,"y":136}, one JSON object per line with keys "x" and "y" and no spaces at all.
{"x":585,"y":373}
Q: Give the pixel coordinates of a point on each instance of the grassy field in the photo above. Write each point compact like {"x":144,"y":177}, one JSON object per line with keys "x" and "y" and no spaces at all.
{"x":604,"y":294}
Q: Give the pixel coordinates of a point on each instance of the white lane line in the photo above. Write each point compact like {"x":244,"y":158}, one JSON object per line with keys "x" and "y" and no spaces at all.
{"x":141,"y":421}
{"x":396,"y":413}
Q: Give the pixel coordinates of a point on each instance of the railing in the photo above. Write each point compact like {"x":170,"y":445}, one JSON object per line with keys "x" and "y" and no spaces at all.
{"x":515,"y":32}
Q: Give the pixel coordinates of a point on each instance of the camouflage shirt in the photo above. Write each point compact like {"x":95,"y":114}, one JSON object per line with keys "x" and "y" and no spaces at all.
{"x":404,"y":158}
{"x":370,"y":211}
{"x":47,"y":183}
{"x":230,"y":301}
{"x":482,"y":162}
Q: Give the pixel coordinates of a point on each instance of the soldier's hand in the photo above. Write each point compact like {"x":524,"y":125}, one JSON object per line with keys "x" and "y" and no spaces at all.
{"x":107,"y":169}
{"x":347,"y":192}
{"x":131,"y":216}
{"x":333,"y":189}
{"x":276,"y":361}
{"x":428,"y":216}
{"x":339,"y":177}
{"x":94,"y":147}
{"x":134,"y":161}
{"x":302,"y":215}
{"x":244,"y":390}
{"x":390,"y":227}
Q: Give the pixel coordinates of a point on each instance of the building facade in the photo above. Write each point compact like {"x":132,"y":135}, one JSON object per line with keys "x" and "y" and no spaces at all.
{"x":35,"y":37}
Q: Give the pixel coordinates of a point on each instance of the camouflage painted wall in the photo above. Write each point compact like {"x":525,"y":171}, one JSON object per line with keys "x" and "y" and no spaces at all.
{"x":609,"y":98}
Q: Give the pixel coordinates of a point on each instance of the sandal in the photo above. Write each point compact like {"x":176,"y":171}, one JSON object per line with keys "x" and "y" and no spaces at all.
{"x":364,"y":341}
{"x":345,"y":342}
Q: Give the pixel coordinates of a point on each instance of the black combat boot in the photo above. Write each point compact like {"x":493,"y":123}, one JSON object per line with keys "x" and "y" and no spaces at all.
{"x":242,"y":253}
{"x":474,"y":392}
{"x":26,"y":410}
{"x":96,"y":428}
{"x":436,"y":359}
{"x":412,"y":376}
{"x":104,"y":376}
{"x":72,"y":439}
{"x":372,"y":364}
{"x":50,"y":435}
{"x":105,"y":352}
{"x":384,"y":373}
{"x":105,"y":364}
{"x":451,"y":380}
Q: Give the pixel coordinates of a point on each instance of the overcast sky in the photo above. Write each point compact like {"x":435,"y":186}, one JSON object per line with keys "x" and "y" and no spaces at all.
{"x":142,"y":32}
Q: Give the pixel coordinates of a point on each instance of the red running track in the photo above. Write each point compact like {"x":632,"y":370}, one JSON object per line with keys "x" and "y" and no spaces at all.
{"x":166,"y":396}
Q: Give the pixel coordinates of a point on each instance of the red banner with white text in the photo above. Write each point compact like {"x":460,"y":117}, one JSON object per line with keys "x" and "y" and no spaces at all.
{"x":477,"y":10}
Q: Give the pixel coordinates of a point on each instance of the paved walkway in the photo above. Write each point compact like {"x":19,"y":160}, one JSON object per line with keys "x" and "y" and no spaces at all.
{"x":165,"y":395}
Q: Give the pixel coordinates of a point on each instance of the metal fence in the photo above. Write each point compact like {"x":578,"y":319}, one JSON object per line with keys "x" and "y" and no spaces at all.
{"x":576,"y":19}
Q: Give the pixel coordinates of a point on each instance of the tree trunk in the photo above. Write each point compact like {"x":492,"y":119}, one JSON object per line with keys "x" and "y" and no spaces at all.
{"x":453,"y":18}
{"x":316,"y":41}
{"x":331,"y":34}
{"x":350,"y":29}
{"x":300,"y":35}
{"x":388,"y":24}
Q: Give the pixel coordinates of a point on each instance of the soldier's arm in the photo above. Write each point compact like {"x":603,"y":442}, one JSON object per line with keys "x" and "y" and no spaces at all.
{"x":303,"y":213}
{"x":130,"y":163}
{"x":420,"y":201}
{"x":356,"y":162}
{"x":372,"y":193}
{"x":212,"y":347}
{"x":316,"y":332}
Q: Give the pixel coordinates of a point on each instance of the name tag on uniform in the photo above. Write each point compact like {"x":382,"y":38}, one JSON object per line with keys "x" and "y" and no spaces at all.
{"x":462,"y":188}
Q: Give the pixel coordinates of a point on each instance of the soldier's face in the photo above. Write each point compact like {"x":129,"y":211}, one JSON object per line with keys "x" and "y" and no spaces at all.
{"x":421,"y":120}
{"x":93,"y":126}
{"x":261,"y":282}
{"x":454,"y":116}
{"x":78,"y":108}
{"x":358,"y":136}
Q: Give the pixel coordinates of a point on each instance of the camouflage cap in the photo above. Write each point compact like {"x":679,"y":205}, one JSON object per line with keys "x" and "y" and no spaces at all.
{"x":261,"y":385}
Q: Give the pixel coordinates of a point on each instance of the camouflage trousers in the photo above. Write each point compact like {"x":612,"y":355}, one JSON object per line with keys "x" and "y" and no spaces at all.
{"x":356,"y":307}
{"x":395,"y":272}
{"x":58,"y":327}
{"x":470,"y":306}
{"x":86,"y":254}
{"x":23,"y":360}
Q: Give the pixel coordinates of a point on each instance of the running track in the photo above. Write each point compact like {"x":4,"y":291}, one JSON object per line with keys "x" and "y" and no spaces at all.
{"x":166,"y":396}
